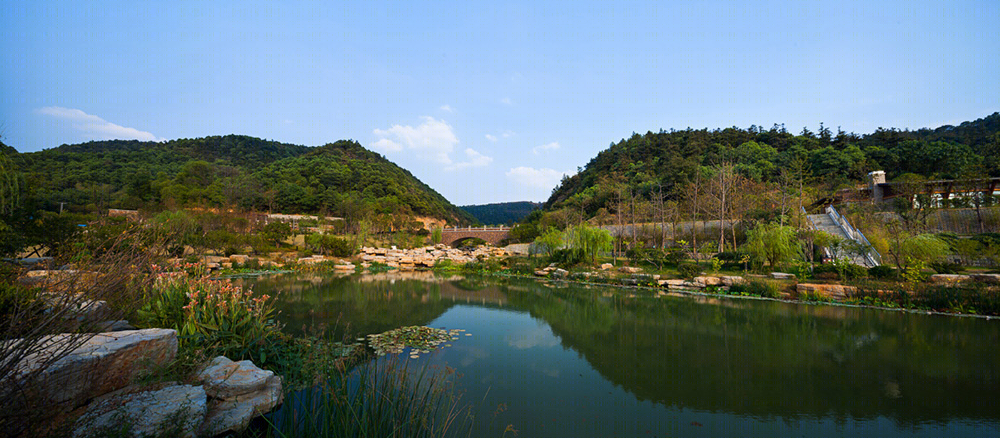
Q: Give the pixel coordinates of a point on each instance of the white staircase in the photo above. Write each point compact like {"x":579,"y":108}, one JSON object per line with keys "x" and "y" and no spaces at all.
{"x":835,"y":224}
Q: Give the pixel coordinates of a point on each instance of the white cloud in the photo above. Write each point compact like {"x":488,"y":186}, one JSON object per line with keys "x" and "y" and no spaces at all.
{"x":96,"y":126}
{"x":541,"y":178}
{"x":472,"y":159}
{"x":433,"y":139}
{"x":446,"y":108}
{"x":506,"y":134}
{"x":506,"y":101}
{"x":545,"y":147}
{"x":387,"y":145}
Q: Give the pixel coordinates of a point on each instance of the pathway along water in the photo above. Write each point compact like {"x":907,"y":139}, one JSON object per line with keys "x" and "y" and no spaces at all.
{"x":575,"y":361}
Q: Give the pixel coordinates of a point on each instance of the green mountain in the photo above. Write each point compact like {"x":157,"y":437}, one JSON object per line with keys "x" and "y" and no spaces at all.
{"x":506,"y":213}
{"x":669,"y":162}
{"x":233,"y":171}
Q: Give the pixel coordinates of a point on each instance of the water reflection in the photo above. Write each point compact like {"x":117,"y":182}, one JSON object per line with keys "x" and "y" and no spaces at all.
{"x":566,"y":354}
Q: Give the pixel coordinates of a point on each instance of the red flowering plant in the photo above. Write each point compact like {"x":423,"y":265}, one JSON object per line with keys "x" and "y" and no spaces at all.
{"x":215,"y":315}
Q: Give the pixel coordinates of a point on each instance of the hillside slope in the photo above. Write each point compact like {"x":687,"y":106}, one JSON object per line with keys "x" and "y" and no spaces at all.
{"x":669,"y":162}
{"x":340,"y":178}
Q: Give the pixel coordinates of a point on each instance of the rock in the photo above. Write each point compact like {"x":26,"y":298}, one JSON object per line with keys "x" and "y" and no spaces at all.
{"x":212,"y":266}
{"x":986,"y":278}
{"x":115,"y":326}
{"x":729,"y":280}
{"x":606,"y":266}
{"x":832,"y":291}
{"x":949,"y":278}
{"x":238,"y":391}
{"x":672,"y":282}
{"x":347,"y":267}
{"x":708,"y":281}
{"x":224,"y":378}
{"x":560,"y":273}
{"x":541,"y":273}
{"x":234,"y":414}
{"x":782,"y":276}
{"x":104,"y":363}
{"x":76,"y":307}
{"x":630,"y":269}
{"x":177,"y":410}
{"x":239,"y":258}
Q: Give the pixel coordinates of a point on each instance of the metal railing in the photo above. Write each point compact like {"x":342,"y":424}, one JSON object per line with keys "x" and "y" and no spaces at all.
{"x":482,"y":228}
{"x":826,"y":251}
{"x":871,"y":254}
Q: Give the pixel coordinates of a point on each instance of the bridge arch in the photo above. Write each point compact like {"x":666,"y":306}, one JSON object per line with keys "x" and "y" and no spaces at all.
{"x":492,"y":235}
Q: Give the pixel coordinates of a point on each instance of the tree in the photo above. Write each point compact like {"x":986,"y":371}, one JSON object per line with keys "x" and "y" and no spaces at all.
{"x":772,"y":242}
{"x":276,"y":232}
{"x":549,"y":241}
{"x":589,"y":241}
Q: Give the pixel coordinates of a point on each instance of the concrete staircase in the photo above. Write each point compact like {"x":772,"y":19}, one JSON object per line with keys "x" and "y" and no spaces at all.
{"x":826,"y":222}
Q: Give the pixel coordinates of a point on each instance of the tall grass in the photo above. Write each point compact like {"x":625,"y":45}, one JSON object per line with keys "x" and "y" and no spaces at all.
{"x":68,"y":301}
{"x":382,"y":398}
{"x":969,"y":299}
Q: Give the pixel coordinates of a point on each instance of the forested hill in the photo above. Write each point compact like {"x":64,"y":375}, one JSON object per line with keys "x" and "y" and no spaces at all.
{"x":670,"y":162}
{"x":340,"y":178}
{"x":503,"y":213}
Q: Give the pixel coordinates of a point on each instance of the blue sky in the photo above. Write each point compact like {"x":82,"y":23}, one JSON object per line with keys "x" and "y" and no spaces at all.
{"x":487,"y":102}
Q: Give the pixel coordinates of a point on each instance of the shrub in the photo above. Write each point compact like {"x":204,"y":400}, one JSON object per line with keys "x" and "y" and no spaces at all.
{"x":759,"y":288}
{"x":215,"y":315}
{"x":824,"y":270}
{"x":850,"y":271}
{"x":731,"y":259}
{"x":567,"y":256}
{"x":688,"y":270}
{"x":946,"y":267}
{"x":882,"y":272}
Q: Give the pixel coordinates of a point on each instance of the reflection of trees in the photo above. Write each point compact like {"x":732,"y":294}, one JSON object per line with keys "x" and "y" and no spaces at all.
{"x":744,"y":357}
{"x":769,"y":358}
{"x":360,"y":307}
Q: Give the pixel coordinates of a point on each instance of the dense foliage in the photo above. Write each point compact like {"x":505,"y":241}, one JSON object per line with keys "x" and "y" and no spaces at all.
{"x":668,"y":163}
{"x":232,"y":171}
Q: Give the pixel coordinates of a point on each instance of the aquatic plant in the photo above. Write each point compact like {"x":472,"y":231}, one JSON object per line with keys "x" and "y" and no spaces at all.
{"x":417,"y":338}
{"x":384,"y":398}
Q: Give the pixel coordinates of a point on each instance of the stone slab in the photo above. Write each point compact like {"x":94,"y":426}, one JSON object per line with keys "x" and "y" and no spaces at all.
{"x":174,"y":411}
{"x":103,"y":363}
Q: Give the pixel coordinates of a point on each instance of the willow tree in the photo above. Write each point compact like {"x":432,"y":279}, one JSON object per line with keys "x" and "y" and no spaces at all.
{"x":772,"y":242}
{"x":589,"y":241}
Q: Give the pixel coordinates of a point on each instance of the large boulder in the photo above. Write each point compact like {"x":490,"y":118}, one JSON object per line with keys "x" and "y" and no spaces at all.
{"x":729,"y":280}
{"x":708,"y":281}
{"x":103,"y":363}
{"x":238,"y":392}
{"x":177,"y":410}
{"x":949,"y":278}
{"x":831,"y":291}
{"x":986,"y":278}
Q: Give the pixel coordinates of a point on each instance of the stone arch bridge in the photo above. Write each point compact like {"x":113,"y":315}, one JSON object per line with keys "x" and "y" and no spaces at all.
{"x":492,"y":235}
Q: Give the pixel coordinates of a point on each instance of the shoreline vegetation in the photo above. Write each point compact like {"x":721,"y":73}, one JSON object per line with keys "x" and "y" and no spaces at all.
{"x":153,"y":244}
{"x":194,"y":294}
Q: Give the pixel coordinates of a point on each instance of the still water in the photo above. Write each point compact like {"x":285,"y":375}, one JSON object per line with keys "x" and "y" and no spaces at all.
{"x":559,"y":360}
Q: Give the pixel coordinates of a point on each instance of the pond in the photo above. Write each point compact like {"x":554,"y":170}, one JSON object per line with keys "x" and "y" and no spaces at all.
{"x":572,"y":360}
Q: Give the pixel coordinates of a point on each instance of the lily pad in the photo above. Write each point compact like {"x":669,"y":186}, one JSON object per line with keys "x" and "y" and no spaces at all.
{"x":419,"y":339}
